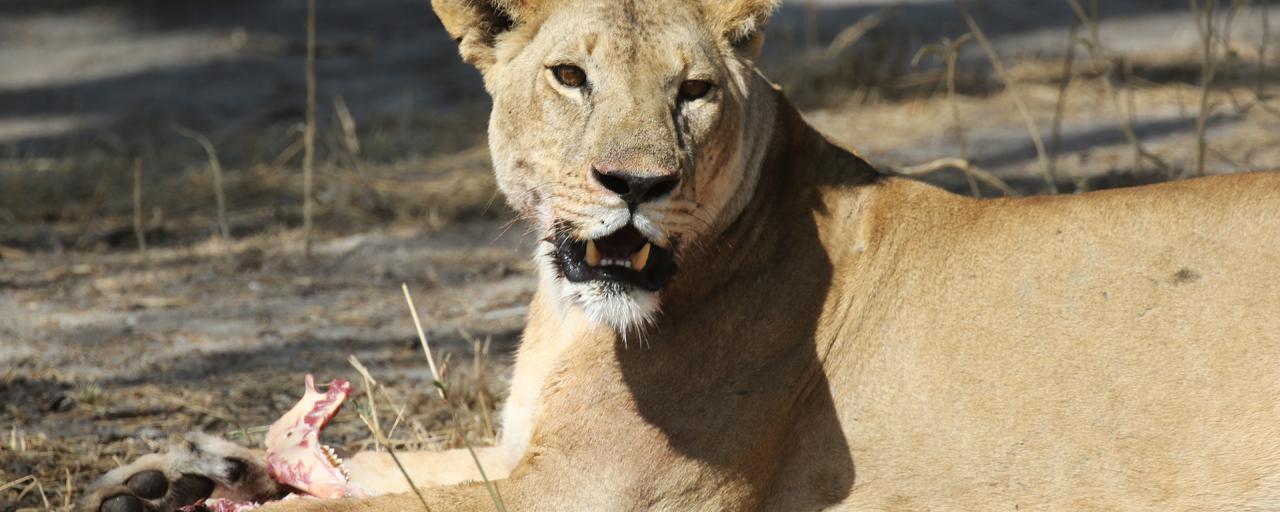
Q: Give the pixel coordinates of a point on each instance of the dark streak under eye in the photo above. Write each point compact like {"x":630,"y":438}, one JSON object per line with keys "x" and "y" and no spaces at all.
{"x":676,"y":127}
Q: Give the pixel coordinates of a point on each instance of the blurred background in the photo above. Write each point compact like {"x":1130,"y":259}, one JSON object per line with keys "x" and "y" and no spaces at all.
{"x":154,"y":267}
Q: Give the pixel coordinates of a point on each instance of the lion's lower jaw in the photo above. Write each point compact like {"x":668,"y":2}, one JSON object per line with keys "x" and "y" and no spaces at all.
{"x":624,"y":308}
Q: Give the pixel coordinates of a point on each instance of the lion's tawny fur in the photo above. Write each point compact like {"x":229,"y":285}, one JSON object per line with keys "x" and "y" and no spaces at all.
{"x":839,"y":339}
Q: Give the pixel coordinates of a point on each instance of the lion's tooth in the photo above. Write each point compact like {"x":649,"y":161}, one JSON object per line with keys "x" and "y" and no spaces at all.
{"x":640,"y":258}
{"x":593,"y":254}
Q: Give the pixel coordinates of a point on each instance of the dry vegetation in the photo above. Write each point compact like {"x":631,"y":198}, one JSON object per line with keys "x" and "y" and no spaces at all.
{"x":169,"y":289}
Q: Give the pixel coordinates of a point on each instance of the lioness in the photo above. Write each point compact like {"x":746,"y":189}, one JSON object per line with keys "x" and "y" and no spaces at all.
{"x":735,"y":313}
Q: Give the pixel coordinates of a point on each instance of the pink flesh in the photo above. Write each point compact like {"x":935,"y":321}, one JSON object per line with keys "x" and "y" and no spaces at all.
{"x":295,"y":456}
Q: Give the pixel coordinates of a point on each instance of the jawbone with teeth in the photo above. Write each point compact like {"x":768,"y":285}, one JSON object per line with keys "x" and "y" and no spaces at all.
{"x":295,"y":456}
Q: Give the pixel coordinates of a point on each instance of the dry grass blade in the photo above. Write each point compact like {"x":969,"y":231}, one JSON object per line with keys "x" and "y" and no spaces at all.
{"x":44,"y":498}
{"x":422,"y":340}
{"x":1015,"y":93}
{"x":309,"y":132}
{"x":370,"y":420}
{"x":67,"y":495}
{"x":138,"y":231}
{"x":215,"y":166}
{"x":17,"y":482}
{"x":369,"y":384}
{"x":444,"y":395}
{"x":852,"y":34}
{"x":32,"y":483}
{"x":391,"y":432}
{"x":347,"y":122}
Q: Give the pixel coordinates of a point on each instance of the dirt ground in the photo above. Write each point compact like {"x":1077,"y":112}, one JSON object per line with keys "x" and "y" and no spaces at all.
{"x":108,"y":351}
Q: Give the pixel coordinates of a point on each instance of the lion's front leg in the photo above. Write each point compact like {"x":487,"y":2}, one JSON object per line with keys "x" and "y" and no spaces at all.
{"x":209,"y":467}
{"x":377,"y":472}
{"x":466,"y":497}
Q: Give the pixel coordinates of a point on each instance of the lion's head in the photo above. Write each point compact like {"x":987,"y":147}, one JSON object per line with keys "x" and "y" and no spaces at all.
{"x":629,"y":132}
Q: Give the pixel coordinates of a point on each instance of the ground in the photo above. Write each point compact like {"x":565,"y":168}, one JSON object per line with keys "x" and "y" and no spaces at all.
{"x":107,"y":351}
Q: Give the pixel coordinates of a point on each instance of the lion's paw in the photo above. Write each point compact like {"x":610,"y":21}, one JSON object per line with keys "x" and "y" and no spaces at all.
{"x":203,"y":467}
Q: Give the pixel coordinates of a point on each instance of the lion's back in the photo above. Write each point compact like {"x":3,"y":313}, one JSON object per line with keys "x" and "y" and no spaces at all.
{"x":1096,"y":350}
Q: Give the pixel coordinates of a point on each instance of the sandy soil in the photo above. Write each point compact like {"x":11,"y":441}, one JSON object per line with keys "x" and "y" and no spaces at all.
{"x":105,"y":351}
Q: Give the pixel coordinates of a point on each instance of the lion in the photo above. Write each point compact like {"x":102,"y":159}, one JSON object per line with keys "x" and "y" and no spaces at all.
{"x":736,"y":313}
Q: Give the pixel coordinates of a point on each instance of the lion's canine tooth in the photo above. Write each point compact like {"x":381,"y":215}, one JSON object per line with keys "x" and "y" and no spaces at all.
{"x":640,"y":258}
{"x":593,"y":254}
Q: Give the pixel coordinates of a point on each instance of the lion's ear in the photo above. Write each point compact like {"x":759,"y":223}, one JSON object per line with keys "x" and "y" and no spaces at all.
{"x":476,"y":24}
{"x":741,"y":22}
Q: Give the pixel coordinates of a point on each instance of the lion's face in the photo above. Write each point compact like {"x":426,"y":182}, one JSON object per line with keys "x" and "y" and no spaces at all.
{"x":618,"y":129}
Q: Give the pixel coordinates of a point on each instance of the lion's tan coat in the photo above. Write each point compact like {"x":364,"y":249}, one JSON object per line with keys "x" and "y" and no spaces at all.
{"x":855,"y":341}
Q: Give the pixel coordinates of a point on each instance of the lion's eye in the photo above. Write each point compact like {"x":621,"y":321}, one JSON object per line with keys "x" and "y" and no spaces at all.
{"x":694,"y":89}
{"x":569,"y":76}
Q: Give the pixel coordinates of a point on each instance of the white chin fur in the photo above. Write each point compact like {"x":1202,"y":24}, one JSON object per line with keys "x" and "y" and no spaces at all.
{"x":623,"y":308}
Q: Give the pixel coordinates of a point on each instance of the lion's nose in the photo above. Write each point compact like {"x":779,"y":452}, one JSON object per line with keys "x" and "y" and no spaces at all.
{"x":636,"y":187}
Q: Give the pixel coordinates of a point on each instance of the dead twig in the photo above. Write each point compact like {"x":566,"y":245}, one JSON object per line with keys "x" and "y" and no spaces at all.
{"x":1099,"y":53}
{"x":1204,"y":15}
{"x":951,"y":50}
{"x":1059,"y":111}
{"x":942,"y":164}
{"x":1261,"y":85}
{"x":138,"y":230}
{"x":953,"y":54}
{"x":309,"y":133}
{"x":1014,"y":91}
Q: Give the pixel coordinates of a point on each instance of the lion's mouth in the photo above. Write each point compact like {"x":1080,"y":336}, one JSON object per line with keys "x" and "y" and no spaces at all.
{"x":624,"y":256}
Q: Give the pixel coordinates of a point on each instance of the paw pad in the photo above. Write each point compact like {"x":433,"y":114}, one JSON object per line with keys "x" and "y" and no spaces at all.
{"x":122,"y":503}
{"x":151,"y":485}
